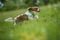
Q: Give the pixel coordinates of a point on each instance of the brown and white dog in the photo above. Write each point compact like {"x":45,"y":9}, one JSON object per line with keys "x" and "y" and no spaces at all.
{"x":28,"y":15}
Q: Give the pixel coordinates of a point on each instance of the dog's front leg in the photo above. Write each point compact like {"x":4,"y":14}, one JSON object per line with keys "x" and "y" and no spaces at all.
{"x":36,"y":17}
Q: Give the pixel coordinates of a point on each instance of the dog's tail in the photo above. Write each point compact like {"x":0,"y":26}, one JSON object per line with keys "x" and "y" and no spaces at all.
{"x":10,"y":19}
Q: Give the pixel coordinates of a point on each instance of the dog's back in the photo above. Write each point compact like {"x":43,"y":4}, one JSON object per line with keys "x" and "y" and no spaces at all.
{"x":21,"y":18}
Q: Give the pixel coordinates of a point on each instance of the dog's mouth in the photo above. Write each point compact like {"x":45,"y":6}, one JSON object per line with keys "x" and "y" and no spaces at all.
{"x":38,"y":10}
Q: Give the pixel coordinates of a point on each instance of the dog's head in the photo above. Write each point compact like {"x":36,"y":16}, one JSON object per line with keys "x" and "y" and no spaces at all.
{"x":36,"y":9}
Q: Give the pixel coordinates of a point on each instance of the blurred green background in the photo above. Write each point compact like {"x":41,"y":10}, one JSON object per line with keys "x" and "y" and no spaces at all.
{"x":18,"y":4}
{"x":47,"y":27}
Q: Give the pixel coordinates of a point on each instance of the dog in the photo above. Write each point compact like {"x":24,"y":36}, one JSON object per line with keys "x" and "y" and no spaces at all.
{"x":28,"y":15}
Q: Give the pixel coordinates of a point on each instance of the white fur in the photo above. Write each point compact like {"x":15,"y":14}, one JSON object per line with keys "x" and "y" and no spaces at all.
{"x":14,"y":23}
{"x":30,"y":16}
{"x":9,"y":19}
{"x":36,"y":17}
{"x":38,"y":9}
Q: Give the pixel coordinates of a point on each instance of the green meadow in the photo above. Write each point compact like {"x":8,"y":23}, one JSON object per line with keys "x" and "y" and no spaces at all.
{"x":45,"y":28}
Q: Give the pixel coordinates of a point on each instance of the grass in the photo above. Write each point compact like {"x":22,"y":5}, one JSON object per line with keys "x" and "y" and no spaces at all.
{"x":45,"y":28}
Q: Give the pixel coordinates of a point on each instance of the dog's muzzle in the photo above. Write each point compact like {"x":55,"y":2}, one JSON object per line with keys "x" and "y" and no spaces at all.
{"x":38,"y":10}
